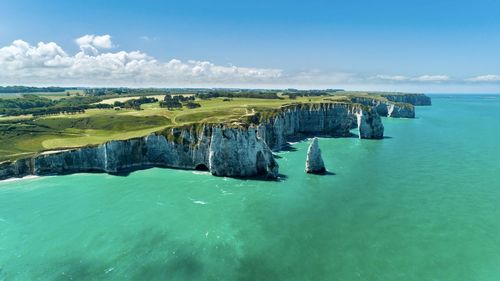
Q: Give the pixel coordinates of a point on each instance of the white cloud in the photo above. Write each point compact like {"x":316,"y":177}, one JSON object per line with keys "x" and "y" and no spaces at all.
{"x":48,"y":63}
{"x":484,"y":78}
{"x":419,"y":79}
{"x":318,"y":77}
{"x":432,"y":78}
{"x":95,"y":65}
{"x":147,"y":38}
{"x":392,"y":77}
{"x":96,"y":41}
{"x":21,"y":55}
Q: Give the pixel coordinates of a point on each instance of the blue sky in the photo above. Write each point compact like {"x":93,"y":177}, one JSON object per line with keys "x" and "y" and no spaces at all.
{"x":429,"y":46}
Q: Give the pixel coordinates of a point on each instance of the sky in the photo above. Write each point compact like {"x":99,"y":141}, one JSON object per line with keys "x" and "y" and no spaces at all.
{"x":419,"y":45}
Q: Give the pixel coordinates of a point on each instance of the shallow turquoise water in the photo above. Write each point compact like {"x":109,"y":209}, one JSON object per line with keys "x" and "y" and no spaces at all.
{"x":422,"y":204}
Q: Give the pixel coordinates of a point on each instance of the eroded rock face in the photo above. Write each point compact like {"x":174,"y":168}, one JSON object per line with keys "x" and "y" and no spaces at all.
{"x":19,"y":168}
{"x":314,"y":161}
{"x":235,"y":151}
{"x":329,"y":119}
{"x":387,"y":109}
{"x":401,"y":111}
{"x":369,"y":126}
{"x":413,"y":99}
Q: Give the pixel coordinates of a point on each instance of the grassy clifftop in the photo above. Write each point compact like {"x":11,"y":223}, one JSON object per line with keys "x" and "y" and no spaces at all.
{"x":25,"y":135}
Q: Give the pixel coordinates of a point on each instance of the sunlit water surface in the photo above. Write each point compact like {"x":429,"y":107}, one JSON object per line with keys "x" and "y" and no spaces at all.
{"x":422,"y":204}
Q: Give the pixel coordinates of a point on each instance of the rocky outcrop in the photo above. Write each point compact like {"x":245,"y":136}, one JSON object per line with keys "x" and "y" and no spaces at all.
{"x":328,"y":119}
{"x":16,"y":169}
{"x":369,"y":125}
{"x":387,"y":108}
{"x":235,"y":150}
{"x":401,"y":111}
{"x":240,"y":155}
{"x":314,"y":161}
{"x":413,"y":99}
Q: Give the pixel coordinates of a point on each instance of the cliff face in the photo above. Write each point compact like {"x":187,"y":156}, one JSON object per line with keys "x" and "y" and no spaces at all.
{"x":387,"y":109}
{"x":401,"y":111}
{"x":240,"y":154}
{"x":336,"y":120}
{"x":223,"y":151}
{"x":413,"y":99}
{"x":235,"y":151}
{"x":19,"y":168}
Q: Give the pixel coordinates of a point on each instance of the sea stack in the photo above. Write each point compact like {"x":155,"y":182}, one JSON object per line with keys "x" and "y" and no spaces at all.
{"x":314,"y":162}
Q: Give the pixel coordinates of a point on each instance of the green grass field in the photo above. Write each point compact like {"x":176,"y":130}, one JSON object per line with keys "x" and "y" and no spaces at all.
{"x":21,"y":136}
{"x":49,"y":95}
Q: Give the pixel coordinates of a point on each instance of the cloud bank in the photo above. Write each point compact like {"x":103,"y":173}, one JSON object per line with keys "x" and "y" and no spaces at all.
{"x":422,"y":78}
{"x":103,"y":41}
{"x":48,"y":63}
{"x":485,"y":78}
{"x":98,"y":64}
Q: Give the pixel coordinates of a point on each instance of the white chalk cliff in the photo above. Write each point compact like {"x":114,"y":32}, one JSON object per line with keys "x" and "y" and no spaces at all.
{"x":234,"y":150}
{"x":314,"y":161}
{"x":387,"y":108}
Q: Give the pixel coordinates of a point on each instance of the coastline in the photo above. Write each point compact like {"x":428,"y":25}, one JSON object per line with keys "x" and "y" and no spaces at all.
{"x":216,"y":148}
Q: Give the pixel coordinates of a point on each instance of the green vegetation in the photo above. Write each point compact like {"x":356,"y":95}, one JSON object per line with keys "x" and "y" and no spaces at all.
{"x":26,"y":102}
{"x":123,"y":92}
{"x":244,"y":94}
{"x":24,"y":89}
{"x":34,"y":123}
{"x":192,"y":105}
{"x":170,"y":102}
{"x":21,"y":137}
{"x":133,"y":103}
{"x":38,"y":105}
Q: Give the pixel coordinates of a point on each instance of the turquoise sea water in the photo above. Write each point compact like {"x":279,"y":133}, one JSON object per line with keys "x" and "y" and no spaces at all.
{"x":422,"y":204}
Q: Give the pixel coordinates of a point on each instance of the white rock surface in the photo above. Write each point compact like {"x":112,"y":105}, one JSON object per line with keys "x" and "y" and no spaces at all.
{"x":314,"y":162}
{"x":235,"y":151}
{"x":387,"y":109}
{"x":331,"y":119}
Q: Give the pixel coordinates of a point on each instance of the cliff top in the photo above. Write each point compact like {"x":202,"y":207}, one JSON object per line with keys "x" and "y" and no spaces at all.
{"x":118,"y":118}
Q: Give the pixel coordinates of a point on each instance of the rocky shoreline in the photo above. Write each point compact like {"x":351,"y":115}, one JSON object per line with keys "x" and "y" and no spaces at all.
{"x":233,"y":150}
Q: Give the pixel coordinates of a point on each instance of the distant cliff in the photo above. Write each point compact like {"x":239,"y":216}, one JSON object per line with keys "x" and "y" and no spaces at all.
{"x":413,"y":99}
{"x":387,"y":108}
{"x":332,"y":119}
{"x":234,"y":150}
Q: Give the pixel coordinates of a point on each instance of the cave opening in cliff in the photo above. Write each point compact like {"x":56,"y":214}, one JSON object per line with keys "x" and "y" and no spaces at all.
{"x":201,"y":167}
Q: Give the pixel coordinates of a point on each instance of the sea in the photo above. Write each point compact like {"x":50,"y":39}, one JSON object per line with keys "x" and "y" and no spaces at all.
{"x":421,"y":204}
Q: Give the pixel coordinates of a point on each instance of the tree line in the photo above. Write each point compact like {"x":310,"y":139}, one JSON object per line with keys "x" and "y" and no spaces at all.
{"x":37,"y":105}
{"x":243,"y":94}
{"x":171,"y":102}
{"x":135,"y":103}
{"x":25,"y":89}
